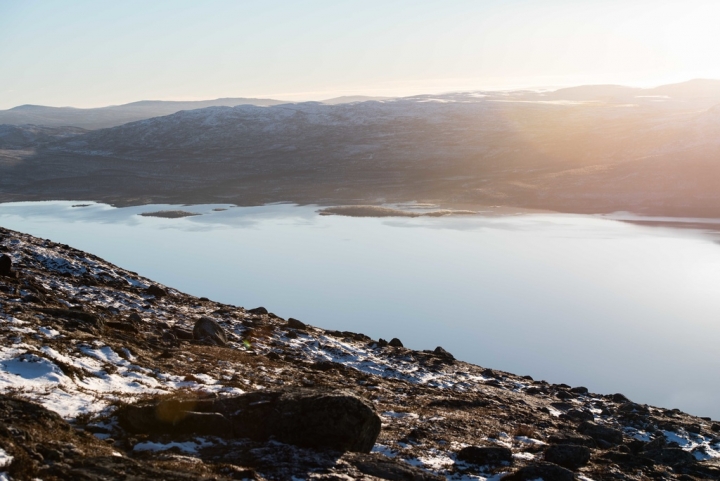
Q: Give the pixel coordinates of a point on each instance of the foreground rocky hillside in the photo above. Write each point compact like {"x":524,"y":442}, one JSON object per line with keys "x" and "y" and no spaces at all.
{"x":107,"y":375}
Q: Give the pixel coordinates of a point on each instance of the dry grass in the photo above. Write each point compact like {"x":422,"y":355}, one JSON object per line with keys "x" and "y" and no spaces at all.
{"x":524,"y":430}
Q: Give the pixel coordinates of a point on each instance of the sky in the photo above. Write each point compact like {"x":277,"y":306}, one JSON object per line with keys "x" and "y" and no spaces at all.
{"x":95,"y":53}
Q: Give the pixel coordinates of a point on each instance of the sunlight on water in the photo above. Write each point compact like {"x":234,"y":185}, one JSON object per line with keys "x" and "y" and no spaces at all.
{"x":582,"y":300}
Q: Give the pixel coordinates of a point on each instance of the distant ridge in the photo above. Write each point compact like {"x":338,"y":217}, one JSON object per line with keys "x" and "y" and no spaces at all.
{"x":347,"y":99}
{"x":112,"y":116}
{"x":693,"y":94}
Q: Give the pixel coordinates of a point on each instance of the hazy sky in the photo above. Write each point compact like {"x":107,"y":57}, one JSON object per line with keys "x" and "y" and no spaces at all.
{"x":94,"y":53}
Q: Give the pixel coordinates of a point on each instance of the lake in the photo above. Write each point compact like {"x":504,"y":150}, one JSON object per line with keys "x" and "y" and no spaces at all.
{"x":583,"y":300}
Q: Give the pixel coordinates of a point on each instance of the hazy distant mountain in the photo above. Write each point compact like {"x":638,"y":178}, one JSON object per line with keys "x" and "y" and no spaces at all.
{"x":592,"y":148}
{"x":104,"y":117}
{"x":698,"y":93}
{"x":347,"y":99}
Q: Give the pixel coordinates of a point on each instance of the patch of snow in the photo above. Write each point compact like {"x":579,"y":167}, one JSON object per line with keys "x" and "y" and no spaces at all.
{"x":393,"y":414}
{"x":524,"y":456}
{"x":5,"y":458}
{"x":186,"y":447}
{"x":384,"y":450}
{"x":699,"y":446}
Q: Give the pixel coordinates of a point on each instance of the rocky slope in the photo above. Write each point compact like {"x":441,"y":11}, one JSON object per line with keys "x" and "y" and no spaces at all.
{"x":107,"y":375}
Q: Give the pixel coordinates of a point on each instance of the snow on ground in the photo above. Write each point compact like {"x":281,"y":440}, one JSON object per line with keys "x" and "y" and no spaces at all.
{"x":189,"y":447}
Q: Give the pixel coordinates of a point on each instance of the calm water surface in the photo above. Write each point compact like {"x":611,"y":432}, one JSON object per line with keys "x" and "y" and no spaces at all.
{"x":583,"y":300}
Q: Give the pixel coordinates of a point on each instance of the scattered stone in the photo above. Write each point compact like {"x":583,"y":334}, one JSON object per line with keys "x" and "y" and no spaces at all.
{"x":183,"y":334}
{"x":122,"y":326}
{"x":672,"y":456}
{"x":383,"y":467}
{"x":257,"y":310}
{"x":601,"y":433}
{"x":157,"y":291}
{"x":572,"y":438}
{"x":168,"y":336}
{"x":44,"y":446}
{"x":135,"y":318}
{"x":568,"y":455}
{"x":578,"y":415}
{"x":545,"y":471}
{"x":579,"y":390}
{"x":382,"y":342}
{"x":486,"y":455}
{"x":619,"y":398}
{"x":32,"y":298}
{"x":207,"y":330}
{"x":395,"y":342}
{"x":74,"y":314}
{"x":295,"y":324}
{"x":442,"y":353}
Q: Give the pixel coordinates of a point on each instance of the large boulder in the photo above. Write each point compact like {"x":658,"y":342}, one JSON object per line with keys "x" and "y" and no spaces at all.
{"x":5,"y":265}
{"x":545,"y":471}
{"x":209,"y":331}
{"x":336,"y":420}
{"x":382,"y":467}
{"x":601,"y":433}
{"x":569,"y":456}
{"x":486,"y":455}
{"x":157,"y":291}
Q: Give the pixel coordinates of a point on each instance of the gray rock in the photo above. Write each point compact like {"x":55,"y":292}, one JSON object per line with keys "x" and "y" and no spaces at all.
{"x":258,"y":310}
{"x":78,"y":315}
{"x":156,"y":291}
{"x":578,"y":415}
{"x":337,"y":420}
{"x":485,"y":455}
{"x":295,"y":324}
{"x":5,"y":265}
{"x":181,"y":333}
{"x":573,"y":438}
{"x":383,"y":467}
{"x":442,"y":353}
{"x":175,"y":417}
{"x":545,"y":471}
{"x":568,"y":455}
{"x":601,"y":433}
{"x":309,"y":418}
{"x":208,"y":330}
{"x":395,"y":342}
{"x":619,"y":398}
{"x":670,"y":456}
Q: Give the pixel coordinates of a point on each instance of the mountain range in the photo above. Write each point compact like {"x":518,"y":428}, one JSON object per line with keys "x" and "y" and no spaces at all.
{"x":582,"y":149}
{"x":114,"y":115}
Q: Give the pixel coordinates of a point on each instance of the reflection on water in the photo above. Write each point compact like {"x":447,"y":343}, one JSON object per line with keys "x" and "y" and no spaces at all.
{"x":614,"y":306}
